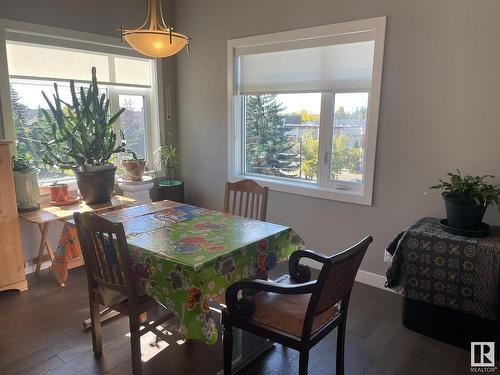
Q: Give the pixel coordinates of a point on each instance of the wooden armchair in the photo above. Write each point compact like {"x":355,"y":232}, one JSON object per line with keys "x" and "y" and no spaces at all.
{"x":246,"y":198}
{"x":294,"y":311}
{"x":111,"y":281}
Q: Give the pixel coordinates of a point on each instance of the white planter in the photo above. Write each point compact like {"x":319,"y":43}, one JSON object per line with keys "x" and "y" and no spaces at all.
{"x":27,"y":190}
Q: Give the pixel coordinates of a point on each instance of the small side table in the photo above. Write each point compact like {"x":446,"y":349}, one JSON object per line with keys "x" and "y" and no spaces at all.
{"x":48,"y":213}
{"x":137,"y":190}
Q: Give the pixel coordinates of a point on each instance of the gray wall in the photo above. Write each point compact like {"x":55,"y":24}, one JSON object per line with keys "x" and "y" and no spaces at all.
{"x":99,"y":17}
{"x":440,"y":108}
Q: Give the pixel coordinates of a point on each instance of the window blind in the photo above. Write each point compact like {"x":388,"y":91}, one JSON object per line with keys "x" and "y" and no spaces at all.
{"x":315,"y":69}
{"x":48,"y":62}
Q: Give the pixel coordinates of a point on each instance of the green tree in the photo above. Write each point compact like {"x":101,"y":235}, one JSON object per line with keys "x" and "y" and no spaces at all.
{"x":345,"y":156}
{"x":268,"y":148}
{"x":309,"y":155}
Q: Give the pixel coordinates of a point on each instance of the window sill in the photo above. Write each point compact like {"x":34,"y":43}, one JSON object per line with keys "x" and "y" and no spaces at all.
{"x":310,"y":190}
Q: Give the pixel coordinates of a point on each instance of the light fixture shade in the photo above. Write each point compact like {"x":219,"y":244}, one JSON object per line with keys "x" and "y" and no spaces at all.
{"x":155,"y":38}
{"x":156,"y":44}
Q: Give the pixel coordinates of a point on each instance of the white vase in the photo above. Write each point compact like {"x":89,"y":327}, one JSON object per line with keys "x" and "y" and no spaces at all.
{"x":27,"y":190}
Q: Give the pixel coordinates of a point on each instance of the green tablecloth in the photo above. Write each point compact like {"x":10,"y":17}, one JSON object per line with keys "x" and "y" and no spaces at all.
{"x":186,"y":255}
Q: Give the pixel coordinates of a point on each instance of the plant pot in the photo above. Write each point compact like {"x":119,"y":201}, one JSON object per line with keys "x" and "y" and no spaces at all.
{"x":464,"y":214}
{"x":27,"y":190}
{"x":134,"y":169}
{"x":172,"y":190}
{"x":96,"y":185}
{"x":59,"y":192}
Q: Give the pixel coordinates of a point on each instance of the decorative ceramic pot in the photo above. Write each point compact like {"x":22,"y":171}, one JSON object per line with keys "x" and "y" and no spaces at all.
{"x":134,"y":169}
{"x":96,"y":184}
{"x":27,"y":190}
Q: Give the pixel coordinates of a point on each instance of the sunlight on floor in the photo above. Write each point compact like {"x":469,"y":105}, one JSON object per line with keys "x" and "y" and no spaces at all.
{"x":155,"y":341}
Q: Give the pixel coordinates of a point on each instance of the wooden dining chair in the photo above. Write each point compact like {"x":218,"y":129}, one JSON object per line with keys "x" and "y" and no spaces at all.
{"x":246,"y":198}
{"x":292,"y":310}
{"x":111,"y":281}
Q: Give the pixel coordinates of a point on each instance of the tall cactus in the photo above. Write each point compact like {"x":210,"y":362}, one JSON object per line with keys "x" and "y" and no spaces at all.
{"x":82,"y":133}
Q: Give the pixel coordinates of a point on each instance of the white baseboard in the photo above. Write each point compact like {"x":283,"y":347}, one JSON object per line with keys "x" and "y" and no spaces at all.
{"x":364,"y":277}
{"x":29,"y":267}
{"x":372,"y":279}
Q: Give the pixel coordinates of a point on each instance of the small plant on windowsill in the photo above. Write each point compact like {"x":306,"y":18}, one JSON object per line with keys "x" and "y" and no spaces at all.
{"x":466,"y":199}
{"x":169,"y":188}
{"x":26,"y":182}
{"x":133,"y":167}
{"x":83,"y":138}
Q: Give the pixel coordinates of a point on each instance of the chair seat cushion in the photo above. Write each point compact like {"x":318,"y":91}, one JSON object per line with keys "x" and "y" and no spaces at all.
{"x":286,"y":312}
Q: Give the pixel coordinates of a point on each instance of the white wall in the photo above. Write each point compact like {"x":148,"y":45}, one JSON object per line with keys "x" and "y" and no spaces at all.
{"x":440,"y":108}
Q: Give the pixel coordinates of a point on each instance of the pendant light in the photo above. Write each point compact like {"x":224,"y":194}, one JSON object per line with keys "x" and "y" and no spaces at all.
{"x":155,"y":38}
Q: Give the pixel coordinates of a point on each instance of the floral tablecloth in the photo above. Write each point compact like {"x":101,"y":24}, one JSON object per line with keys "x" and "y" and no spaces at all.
{"x":185,"y":255}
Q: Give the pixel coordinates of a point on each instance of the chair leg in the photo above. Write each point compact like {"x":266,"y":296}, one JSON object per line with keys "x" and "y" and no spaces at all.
{"x":95,"y":322}
{"x":303,"y":362}
{"x":340,"y":348}
{"x":227,"y":343}
{"x":135,"y":342}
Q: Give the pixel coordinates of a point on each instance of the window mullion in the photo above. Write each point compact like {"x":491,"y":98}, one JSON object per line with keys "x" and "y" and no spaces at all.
{"x":325,"y":138}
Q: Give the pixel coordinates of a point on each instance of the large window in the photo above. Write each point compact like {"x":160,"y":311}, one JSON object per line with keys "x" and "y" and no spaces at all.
{"x":129,"y":82}
{"x":303,"y":109}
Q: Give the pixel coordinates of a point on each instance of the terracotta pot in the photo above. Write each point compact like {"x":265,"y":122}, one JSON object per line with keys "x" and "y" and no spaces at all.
{"x":59,"y":192}
{"x":134,"y":169}
{"x":97,"y":185}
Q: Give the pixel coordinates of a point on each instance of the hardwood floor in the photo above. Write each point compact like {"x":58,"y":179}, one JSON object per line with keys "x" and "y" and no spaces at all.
{"x":41,"y":333}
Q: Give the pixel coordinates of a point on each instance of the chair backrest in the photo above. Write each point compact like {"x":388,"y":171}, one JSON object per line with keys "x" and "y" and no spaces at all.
{"x":335,"y":281}
{"x":105,"y":251}
{"x":246,"y":198}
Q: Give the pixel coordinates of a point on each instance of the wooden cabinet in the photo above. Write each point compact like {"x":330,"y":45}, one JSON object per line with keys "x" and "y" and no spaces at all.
{"x":12,"y":274}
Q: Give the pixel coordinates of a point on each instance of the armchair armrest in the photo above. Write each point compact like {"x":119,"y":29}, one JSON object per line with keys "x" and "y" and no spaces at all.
{"x":245,"y":306}
{"x":300,"y":273}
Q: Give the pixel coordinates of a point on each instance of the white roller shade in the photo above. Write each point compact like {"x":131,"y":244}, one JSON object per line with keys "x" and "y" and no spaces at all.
{"x":324,"y":68}
{"x":30,"y":61}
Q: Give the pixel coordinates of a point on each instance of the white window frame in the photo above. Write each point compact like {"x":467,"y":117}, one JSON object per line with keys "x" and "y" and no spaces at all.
{"x":362,"y":194}
{"x":53,"y":36}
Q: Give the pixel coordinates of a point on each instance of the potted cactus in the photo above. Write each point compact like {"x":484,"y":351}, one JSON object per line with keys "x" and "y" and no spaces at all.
{"x":26,"y":183}
{"x":83,"y":138}
{"x":169,"y":188}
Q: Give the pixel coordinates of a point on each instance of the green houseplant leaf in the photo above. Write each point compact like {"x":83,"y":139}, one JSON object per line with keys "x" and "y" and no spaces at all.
{"x":468,"y":188}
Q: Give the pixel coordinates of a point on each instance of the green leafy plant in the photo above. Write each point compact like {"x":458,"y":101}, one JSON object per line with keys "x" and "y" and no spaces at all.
{"x":470,"y":188}
{"x":82,"y":134}
{"x":168,"y":160}
{"x":24,"y":163}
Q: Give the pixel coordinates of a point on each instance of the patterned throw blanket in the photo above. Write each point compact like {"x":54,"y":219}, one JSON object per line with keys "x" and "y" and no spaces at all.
{"x":433,"y":266}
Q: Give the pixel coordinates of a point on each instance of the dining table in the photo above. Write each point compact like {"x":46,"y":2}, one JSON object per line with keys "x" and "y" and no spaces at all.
{"x":186,"y":256}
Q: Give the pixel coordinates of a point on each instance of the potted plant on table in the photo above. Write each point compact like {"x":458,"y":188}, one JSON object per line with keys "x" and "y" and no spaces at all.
{"x":169,"y":188}
{"x":466,"y":199}
{"x":26,"y":183}
{"x":83,"y":138}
